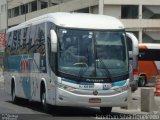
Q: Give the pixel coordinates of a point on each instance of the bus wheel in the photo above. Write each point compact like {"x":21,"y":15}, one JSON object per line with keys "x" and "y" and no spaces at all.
{"x":14,"y":98}
{"x":142,"y":81}
{"x":44,"y":102}
{"x":105,"y":110}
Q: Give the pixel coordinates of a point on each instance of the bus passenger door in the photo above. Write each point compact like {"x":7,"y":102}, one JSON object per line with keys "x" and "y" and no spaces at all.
{"x":34,"y":76}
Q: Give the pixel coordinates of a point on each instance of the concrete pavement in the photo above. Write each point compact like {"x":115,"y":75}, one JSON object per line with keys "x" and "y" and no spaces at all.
{"x":136,"y":101}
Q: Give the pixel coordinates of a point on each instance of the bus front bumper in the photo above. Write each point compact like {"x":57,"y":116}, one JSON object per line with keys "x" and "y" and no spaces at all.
{"x":66,"y":98}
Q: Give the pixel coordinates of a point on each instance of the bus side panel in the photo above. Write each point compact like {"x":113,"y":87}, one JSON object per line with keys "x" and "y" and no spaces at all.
{"x":37,"y":75}
{"x":12,"y":73}
{"x":149,"y":68}
{"x":36,"y":79}
{"x":34,"y":76}
{"x":7,"y":82}
{"x":51,"y":89}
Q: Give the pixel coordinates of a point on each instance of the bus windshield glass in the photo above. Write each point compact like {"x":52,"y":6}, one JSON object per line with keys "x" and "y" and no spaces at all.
{"x":92,"y":53}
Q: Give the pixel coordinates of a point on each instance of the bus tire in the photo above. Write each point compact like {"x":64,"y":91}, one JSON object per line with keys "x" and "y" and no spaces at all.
{"x":105,"y":110}
{"x":45,"y":106}
{"x":142,"y":81}
{"x":13,"y":93}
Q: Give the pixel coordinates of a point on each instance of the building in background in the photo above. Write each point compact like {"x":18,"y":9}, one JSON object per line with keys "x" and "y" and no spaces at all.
{"x":139,"y":16}
{"x":3,"y":26}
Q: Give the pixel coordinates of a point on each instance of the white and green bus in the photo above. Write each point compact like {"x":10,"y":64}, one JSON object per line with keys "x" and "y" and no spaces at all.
{"x":68,"y":59}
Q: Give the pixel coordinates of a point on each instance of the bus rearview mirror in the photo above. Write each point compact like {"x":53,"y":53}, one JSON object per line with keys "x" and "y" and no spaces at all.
{"x":130,"y":54}
{"x":53,"y":41}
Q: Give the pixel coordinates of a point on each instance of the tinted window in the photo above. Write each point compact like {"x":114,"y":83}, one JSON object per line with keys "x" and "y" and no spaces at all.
{"x":14,"y":43}
{"x":27,"y":38}
{"x":18,"y":41}
{"x":23,"y":45}
{"x":31,"y":41}
{"x":40,"y":39}
{"x":7,"y":45}
{"x":129,"y":44}
{"x":149,"y":54}
{"x":9,"y":42}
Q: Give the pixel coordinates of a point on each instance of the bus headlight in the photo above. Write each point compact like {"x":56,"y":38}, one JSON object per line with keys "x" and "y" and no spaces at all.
{"x":120,"y":88}
{"x":125,"y":88}
{"x":66,"y":87}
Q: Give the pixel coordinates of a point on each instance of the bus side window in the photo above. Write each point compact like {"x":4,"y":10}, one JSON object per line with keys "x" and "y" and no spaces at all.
{"x":149,"y":54}
{"x":31,"y":41}
{"x":129,"y":43}
{"x":36,"y":40}
{"x":40,"y":38}
{"x":41,"y":46}
{"x":18,"y":41}
{"x":129,"y":47}
{"x":23,"y":41}
{"x":27,"y":39}
{"x":14,"y":44}
{"x":25,"y":50}
{"x":9,"y":42}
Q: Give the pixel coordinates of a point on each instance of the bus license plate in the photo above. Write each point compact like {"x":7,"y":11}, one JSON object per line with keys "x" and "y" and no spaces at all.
{"x":95,"y":100}
{"x":86,"y":86}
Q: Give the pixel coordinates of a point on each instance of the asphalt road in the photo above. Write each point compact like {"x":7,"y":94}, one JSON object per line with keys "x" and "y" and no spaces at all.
{"x":32,"y":110}
{"x":25,"y":110}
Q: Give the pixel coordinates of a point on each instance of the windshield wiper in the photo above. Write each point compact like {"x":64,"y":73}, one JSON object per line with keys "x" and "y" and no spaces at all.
{"x":81,"y":72}
{"x":106,"y":69}
{"x":107,"y":72}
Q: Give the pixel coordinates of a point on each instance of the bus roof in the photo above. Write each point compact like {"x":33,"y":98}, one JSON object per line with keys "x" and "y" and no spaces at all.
{"x":149,"y":46}
{"x":77,"y":20}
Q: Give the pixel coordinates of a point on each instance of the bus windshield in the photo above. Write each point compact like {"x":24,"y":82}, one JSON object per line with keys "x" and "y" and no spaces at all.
{"x":92,"y":53}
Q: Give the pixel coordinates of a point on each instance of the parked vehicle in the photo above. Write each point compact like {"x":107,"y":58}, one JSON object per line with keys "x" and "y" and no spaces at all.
{"x":148,"y":63}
